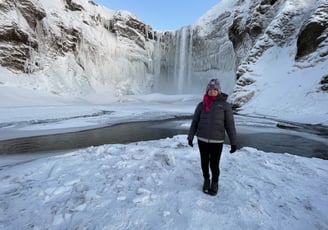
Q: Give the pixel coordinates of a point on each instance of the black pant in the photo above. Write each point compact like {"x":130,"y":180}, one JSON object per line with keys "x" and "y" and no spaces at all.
{"x":210,"y":154}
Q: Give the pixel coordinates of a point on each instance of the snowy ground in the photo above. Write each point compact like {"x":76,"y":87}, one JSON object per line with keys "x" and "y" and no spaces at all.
{"x":157,"y":185}
{"x":151,"y":184}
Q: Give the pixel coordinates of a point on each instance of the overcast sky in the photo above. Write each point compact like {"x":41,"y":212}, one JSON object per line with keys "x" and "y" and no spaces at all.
{"x":163,"y":14}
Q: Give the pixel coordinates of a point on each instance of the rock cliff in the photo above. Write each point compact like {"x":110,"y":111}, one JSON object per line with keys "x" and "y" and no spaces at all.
{"x":76,"y":47}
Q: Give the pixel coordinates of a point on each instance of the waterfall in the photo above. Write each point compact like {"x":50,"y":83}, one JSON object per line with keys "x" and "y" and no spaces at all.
{"x":173,"y":68}
{"x":185,"y":61}
{"x":182,"y":56}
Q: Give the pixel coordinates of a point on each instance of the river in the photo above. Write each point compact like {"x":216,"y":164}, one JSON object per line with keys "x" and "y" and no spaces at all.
{"x":261,"y":134}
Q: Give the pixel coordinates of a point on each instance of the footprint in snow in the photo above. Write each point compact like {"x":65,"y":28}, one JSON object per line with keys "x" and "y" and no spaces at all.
{"x":143,"y":196}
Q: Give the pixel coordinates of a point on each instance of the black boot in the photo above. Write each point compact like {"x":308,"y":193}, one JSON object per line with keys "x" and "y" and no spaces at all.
{"x":206,"y":186}
{"x":214,"y":188}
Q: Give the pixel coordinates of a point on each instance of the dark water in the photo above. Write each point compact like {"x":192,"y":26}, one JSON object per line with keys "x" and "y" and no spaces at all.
{"x":116,"y":134}
{"x":285,"y":143}
{"x":154,"y":130}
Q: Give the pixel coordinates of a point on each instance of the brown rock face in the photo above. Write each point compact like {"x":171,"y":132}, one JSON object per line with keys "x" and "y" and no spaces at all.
{"x":16,"y":42}
{"x":24,"y":34}
{"x":313,"y":32}
{"x":31,"y":12}
{"x":309,"y":39}
{"x":132,"y":29}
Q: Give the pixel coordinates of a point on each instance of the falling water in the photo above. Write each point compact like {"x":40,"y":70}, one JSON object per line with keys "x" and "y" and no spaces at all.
{"x":185,"y":61}
{"x":173,"y":65}
{"x":181,"y":62}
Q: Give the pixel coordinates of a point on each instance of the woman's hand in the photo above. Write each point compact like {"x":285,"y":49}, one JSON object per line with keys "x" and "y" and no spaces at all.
{"x":190,"y":143}
{"x":233,"y":148}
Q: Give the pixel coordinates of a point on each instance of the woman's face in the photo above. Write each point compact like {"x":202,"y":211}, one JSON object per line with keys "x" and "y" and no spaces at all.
{"x":213,"y":92}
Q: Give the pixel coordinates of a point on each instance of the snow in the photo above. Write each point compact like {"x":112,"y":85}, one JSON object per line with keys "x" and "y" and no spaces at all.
{"x":285,"y":91}
{"x":223,"y":6}
{"x":157,"y":184}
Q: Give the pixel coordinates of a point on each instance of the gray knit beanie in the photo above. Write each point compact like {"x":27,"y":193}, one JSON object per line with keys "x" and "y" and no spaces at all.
{"x":213,"y":84}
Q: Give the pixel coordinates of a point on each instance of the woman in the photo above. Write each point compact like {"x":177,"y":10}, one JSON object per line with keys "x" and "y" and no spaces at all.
{"x":212,"y":118}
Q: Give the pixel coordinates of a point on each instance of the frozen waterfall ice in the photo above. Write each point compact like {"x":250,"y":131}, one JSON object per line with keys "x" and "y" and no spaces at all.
{"x":184,"y":62}
{"x":174,"y":73}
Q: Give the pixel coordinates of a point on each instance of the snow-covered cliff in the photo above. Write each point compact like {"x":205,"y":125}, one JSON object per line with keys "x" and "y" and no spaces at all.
{"x":75,"y":47}
{"x":271,"y":55}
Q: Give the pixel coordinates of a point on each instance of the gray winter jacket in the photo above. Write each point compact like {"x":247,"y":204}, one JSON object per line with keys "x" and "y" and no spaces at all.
{"x":212,"y":125}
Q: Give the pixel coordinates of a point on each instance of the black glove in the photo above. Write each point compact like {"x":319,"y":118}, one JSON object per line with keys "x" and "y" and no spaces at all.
{"x":190,"y":143}
{"x":233,"y":148}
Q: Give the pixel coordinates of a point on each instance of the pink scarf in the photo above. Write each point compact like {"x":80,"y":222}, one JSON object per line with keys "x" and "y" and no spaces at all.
{"x":207,"y":102}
